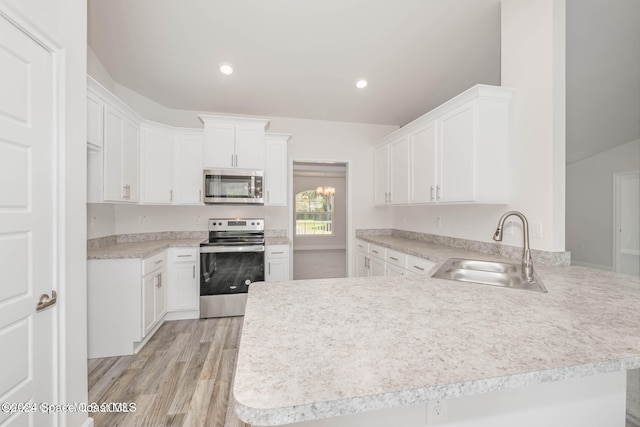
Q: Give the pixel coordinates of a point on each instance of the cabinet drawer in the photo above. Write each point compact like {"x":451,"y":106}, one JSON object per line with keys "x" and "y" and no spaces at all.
{"x":184,"y":254}
{"x":377,"y":251}
{"x":277,"y":251}
{"x":396,"y":258}
{"x":361,"y":245}
{"x":419,"y":265}
{"x":154,"y":263}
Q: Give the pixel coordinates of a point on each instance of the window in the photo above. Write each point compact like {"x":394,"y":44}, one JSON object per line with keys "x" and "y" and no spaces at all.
{"x":314,"y":214}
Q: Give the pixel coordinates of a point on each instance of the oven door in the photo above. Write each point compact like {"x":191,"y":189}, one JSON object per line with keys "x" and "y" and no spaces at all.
{"x":228,"y":270}
{"x":233,"y":186}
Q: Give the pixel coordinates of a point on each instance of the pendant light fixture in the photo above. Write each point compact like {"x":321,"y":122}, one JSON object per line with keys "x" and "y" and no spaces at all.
{"x":326,"y":190}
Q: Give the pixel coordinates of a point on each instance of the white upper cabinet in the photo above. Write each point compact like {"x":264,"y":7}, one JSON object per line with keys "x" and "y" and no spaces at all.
{"x":458,"y":153}
{"x":233,"y":142}
{"x":95,"y":120}
{"x":121,"y":156}
{"x":157,"y":164}
{"x":188,"y":178}
{"x":392,"y":173}
{"x":275,"y":169}
{"x":381,"y":177}
{"x":422,"y":145}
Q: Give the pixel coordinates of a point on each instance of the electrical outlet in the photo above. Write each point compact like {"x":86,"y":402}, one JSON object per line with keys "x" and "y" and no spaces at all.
{"x":92,"y":222}
{"x":197,"y":220}
{"x":536,"y":230}
{"x":142,"y":219}
{"x":439,"y":222}
{"x":437,"y":411}
{"x":509,"y":228}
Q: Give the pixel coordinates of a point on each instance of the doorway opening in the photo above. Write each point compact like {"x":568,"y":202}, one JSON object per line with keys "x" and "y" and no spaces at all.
{"x":319,"y":219}
{"x":626,"y":228}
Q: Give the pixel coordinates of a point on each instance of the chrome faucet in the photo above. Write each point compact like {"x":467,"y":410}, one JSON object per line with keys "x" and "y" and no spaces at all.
{"x":527,"y":262}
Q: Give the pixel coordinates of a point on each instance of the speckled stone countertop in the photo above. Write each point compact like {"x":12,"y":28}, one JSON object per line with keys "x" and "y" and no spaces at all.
{"x":147,"y":248}
{"x":142,"y":249}
{"x":321,"y":348}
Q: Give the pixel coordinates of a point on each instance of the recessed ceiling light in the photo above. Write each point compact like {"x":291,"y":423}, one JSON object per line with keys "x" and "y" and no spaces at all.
{"x":362,"y":83}
{"x":226,"y":69}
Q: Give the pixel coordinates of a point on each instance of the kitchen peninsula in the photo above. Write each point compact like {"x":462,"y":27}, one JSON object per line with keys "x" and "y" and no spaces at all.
{"x":372,"y":351}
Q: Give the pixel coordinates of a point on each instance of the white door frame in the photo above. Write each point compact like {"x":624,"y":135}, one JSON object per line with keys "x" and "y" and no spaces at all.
{"x":57,"y":54}
{"x":290,"y":229}
{"x":617,"y":177}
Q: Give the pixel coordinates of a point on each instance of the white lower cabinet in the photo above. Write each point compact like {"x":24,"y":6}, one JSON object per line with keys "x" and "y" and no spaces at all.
{"x":374,"y":260}
{"x":154,"y":292}
{"x":183,"y":287}
{"x":128,"y":299}
{"x":276,"y":263}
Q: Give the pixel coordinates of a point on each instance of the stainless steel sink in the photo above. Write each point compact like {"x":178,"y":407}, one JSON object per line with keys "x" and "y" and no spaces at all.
{"x":492,"y":273}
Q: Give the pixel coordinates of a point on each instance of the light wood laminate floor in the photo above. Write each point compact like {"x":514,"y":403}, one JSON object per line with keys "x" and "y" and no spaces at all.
{"x":183,"y":377}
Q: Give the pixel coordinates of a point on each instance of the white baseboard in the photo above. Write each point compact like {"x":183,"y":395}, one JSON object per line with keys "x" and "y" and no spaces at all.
{"x":594,"y":266}
{"x":182,"y":315}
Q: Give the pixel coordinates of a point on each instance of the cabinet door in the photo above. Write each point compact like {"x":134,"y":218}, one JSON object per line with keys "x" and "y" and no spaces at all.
{"x":361,"y":264}
{"x":395,"y":271}
{"x":161,"y":294}
{"x":457,"y":134}
{"x":95,"y":109}
{"x":399,"y":171}
{"x":114,"y":124}
{"x":277,"y":270}
{"x":149,"y":284}
{"x":376,"y":267}
{"x":423,"y":154}
{"x":219,"y":146}
{"x":381,"y":175}
{"x":275,"y":174}
{"x":131,"y":161}
{"x":183,"y":287}
{"x":249,"y":147}
{"x":157,"y":161}
{"x":188,"y":176}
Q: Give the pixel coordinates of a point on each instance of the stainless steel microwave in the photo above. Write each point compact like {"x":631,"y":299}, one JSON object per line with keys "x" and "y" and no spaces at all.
{"x":233,"y":186}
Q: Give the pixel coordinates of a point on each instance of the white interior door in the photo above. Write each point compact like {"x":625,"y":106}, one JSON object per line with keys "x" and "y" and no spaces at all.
{"x":27,"y":226}
{"x":627,"y":223}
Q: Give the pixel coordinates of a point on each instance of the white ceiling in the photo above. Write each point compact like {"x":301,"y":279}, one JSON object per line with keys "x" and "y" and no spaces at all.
{"x":297,"y":58}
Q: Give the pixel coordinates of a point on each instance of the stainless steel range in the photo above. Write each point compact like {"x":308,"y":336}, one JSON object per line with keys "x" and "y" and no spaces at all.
{"x":230,"y":260}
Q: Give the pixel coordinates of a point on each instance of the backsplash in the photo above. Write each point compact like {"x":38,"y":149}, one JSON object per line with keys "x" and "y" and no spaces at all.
{"x":102,"y":242}
{"x":540,"y":257}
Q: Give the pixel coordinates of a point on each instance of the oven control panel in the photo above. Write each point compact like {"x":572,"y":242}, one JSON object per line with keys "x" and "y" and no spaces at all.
{"x":236,"y":224}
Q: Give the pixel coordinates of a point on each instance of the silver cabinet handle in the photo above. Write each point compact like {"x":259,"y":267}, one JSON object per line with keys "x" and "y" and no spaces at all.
{"x":393,"y":258}
{"x":199,"y":195}
{"x":232,"y":158}
{"x":374,"y":251}
{"x":184,"y":256}
{"x":45,"y":300}
{"x":269,"y":269}
{"x":171,"y":195}
{"x":431,"y":193}
{"x":159,"y":280}
{"x":438,"y":190}
{"x":159,"y":261}
{"x":418,"y":268}
{"x":194,"y":271}
{"x":276,"y":253}
{"x":236,"y":160}
{"x":267,"y":196}
{"x":367,"y":262}
{"x":389,"y":197}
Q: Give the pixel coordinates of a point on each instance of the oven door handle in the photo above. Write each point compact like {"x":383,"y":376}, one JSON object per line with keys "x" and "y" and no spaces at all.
{"x":230,"y":249}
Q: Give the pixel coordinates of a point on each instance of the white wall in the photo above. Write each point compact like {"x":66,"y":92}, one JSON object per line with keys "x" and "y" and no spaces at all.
{"x":590,"y":204}
{"x":533,"y":64}
{"x":101,"y":220}
{"x":65,"y":21}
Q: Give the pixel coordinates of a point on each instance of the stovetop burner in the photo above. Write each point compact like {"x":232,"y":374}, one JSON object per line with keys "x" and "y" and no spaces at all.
{"x":235,"y":232}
